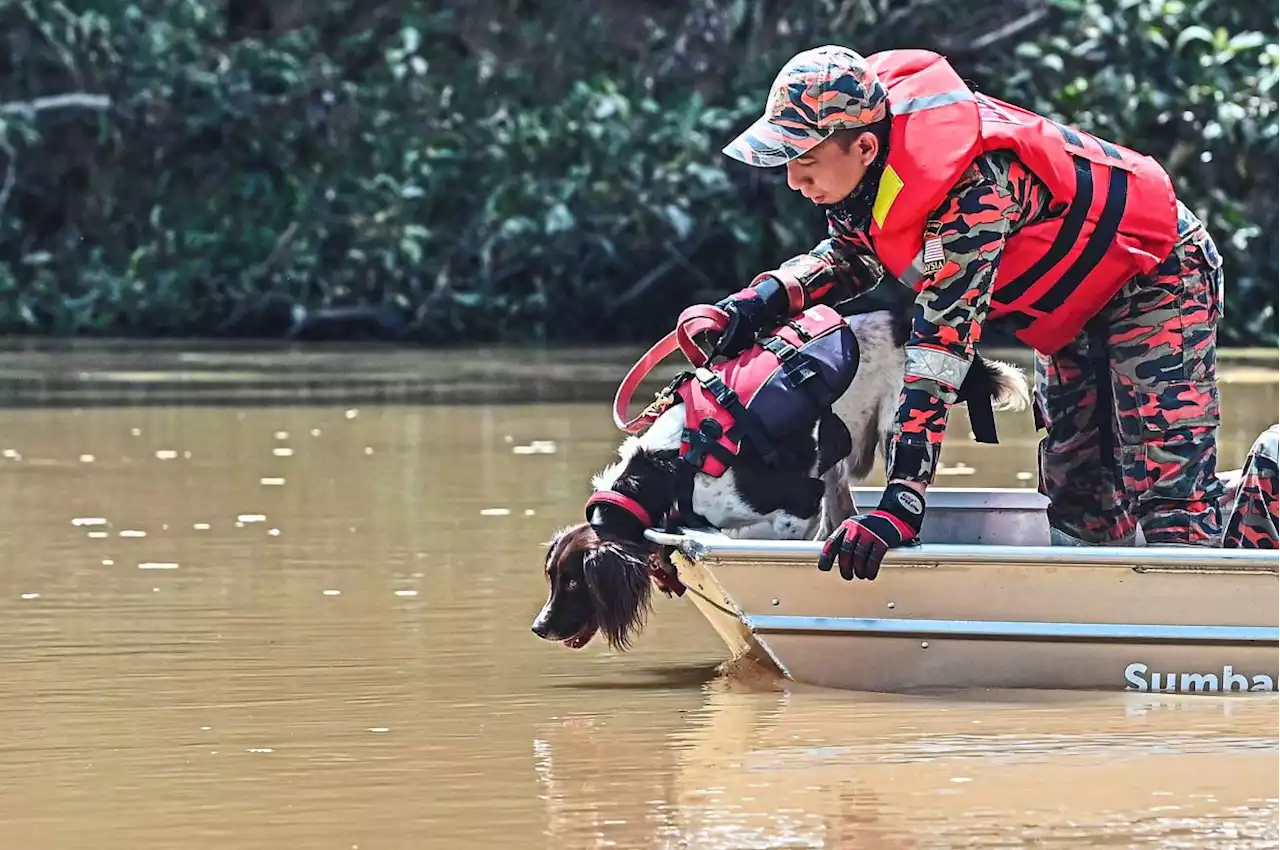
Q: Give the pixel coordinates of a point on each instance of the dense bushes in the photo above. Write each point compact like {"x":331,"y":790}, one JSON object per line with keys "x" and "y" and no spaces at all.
{"x":510,"y":169}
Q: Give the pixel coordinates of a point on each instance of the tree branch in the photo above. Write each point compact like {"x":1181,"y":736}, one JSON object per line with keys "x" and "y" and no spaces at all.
{"x":1016,"y":27}
{"x":81,"y":100}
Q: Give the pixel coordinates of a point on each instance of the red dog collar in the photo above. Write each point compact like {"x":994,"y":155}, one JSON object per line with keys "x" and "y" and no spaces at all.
{"x":628,"y":504}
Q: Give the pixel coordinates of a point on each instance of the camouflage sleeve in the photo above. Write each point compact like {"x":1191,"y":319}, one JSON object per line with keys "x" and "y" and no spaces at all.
{"x":1252,"y":521}
{"x":952,"y":303}
{"x":838,"y":268}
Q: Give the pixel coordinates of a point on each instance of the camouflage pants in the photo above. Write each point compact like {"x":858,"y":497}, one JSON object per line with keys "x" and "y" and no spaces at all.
{"x":1252,"y":520}
{"x":1131,"y":409}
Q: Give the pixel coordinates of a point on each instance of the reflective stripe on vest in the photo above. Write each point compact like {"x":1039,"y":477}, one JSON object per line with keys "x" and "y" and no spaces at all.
{"x":931,"y":101}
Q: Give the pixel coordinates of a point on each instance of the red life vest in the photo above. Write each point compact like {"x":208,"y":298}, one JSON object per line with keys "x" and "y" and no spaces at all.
{"x":1055,"y":275}
{"x":786,"y":381}
{"x":783,"y":382}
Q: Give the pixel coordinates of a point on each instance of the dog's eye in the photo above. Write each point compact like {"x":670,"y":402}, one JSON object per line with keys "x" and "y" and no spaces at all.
{"x":571,"y":584}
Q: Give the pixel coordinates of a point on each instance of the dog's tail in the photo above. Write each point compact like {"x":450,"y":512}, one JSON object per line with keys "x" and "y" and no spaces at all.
{"x":1005,"y":384}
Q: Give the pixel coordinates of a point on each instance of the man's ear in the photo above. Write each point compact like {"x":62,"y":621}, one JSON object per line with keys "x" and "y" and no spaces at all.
{"x":868,"y":147}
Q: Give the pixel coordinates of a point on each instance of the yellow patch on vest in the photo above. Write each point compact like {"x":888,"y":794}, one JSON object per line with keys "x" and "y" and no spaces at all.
{"x":890,"y":186}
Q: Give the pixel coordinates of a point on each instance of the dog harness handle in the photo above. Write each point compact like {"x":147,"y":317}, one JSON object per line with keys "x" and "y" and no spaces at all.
{"x":628,"y":504}
{"x":694,"y":320}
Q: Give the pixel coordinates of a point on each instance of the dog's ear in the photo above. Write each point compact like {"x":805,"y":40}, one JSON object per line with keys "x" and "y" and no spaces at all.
{"x":617,"y":576}
{"x":566,"y":542}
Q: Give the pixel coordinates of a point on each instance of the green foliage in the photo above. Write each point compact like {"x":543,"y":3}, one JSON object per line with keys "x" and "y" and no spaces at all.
{"x":515,"y":170}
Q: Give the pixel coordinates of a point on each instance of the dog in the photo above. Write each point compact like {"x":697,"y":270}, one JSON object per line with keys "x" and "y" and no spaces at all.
{"x":600,"y":572}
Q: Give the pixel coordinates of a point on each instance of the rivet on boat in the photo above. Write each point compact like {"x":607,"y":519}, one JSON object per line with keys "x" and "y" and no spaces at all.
{"x":893,"y":605}
{"x":924,"y":644}
{"x":776,"y":602}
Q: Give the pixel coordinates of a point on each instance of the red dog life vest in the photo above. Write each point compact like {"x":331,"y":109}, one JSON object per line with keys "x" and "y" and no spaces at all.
{"x":784,"y":382}
{"x":1055,"y":275}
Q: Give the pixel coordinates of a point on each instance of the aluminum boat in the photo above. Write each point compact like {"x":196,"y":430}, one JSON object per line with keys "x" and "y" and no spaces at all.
{"x":985,"y":602}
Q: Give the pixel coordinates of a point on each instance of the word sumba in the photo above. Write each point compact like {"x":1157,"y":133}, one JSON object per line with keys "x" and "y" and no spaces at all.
{"x":1135,"y":675}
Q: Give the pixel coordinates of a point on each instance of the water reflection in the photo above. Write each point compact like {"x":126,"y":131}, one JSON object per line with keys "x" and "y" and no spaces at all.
{"x":814,"y":769}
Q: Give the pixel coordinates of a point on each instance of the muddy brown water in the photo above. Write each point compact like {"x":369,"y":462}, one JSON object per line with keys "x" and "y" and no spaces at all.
{"x":244,"y":623}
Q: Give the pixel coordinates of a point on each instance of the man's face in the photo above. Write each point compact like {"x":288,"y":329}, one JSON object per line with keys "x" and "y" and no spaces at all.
{"x":828,"y":173}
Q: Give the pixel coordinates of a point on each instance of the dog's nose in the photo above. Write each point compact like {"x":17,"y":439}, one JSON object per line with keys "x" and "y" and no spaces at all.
{"x":540,"y":627}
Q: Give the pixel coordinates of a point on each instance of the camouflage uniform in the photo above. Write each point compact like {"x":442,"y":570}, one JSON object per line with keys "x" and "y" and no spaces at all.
{"x":1152,"y":459}
{"x":1252,"y":522}
{"x":1158,"y":336}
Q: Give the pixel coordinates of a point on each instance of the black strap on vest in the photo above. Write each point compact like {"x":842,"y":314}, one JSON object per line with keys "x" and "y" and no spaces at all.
{"x":1104,"y":410}
{"x":684,"y":514}
{"x":983,"y":419}
{"x":746,"y":426}
{"x":704,"y":441}
{"x":796,"y":367}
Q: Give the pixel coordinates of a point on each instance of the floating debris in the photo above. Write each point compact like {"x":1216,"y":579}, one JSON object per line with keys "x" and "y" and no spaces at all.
{"x":98,"y":535}
{"x":282,"y":435}
{"x":137,"y":432}
{"x":406,"y":593}
{"x":537,"y":447}
{"x":315,"y":432}
{"x":368,"y":450}
{"x":129,"y":532}
{"x":259,"y":750}
{"x":529,"y":512}
{"x":30,"y":596}
{"x":379,"y":729}
{"x":494,"y":512}
{"x":271,"y":482}
{"x":166,"y":454}
{"x":157,"y":565}
{"x":282,"y":452}
{"x":12,"y":453}
{"x":201,"y":526}
{"x":87,"y":458}
{"x":1025,"y":476}
{"x":352,"y":413}
{"x":89,"y":520}
{"x":333,"y":592}
{"x":252,"y":518}
{"x":107,"y":562}
{"x":274,"y":532}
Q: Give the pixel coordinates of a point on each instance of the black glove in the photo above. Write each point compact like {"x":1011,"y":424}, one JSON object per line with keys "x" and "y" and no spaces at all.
{"x":758,"y":308}
{"x":861,"y":541}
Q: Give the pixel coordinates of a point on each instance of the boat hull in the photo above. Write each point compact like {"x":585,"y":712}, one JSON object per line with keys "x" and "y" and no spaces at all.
{"x":985,"y":604}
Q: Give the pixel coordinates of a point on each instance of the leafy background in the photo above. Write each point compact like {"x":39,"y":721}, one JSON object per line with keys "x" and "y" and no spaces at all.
{"x":467,"y":171}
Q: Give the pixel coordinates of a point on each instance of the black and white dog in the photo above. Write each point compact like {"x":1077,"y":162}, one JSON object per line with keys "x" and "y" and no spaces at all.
{"x":599,"y":571}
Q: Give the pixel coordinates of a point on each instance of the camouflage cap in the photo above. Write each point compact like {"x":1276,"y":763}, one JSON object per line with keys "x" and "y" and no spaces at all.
{"x":817,"y":92}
